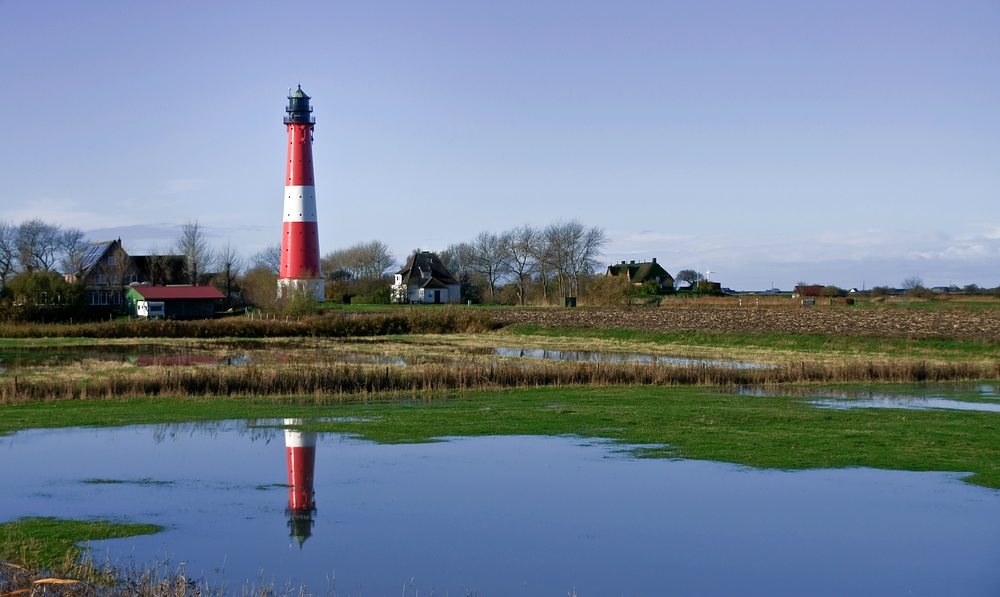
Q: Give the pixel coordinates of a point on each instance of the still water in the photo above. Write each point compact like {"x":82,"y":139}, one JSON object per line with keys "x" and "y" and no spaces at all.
{"x":503,"y":515}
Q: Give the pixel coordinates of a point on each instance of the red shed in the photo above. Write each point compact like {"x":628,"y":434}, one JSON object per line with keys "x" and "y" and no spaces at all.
{"x":179,"y":302}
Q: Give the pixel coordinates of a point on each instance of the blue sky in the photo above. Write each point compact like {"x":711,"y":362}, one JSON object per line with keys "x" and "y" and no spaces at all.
{"x":842,"y":143}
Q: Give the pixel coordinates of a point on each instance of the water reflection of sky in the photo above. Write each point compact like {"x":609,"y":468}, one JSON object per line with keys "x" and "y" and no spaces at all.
{"x":587,"y":356}
{"x":511,"y":516}
{"x":978,"y":397}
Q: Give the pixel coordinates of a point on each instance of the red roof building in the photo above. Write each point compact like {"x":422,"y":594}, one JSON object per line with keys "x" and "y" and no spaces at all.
{"x":179,"y":302}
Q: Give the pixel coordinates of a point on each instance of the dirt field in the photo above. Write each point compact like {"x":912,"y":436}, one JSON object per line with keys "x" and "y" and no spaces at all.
{"x":877,"y":322}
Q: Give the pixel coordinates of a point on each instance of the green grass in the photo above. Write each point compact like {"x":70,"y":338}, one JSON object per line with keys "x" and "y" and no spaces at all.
{"x":53,"y":543}
{"x":782,"y":432}
{"x":807,"y":343}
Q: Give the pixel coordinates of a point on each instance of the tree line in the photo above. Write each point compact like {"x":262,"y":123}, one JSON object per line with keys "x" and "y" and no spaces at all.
{"x":536,"y":263}
{"x":36,"y":246}
{"x":526,"y":263}
{"x":521,"y":265}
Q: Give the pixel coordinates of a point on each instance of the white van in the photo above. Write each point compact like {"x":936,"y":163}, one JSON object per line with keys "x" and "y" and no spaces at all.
{"x":149,"y":308}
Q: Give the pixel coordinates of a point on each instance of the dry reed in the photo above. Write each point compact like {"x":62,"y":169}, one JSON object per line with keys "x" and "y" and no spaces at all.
{"x":335,"y":324}
{"x":345,"y":379}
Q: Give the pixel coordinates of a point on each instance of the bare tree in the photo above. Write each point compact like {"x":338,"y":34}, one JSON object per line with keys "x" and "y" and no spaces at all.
{"x":373,"y":260}
{"x":585,"y":255}
{"x":198,"y":256}
{"x":544,"y":262}
{"x":230,"y":264}
{"x":913,"y":283}
{"x":489,"y":258}
{"x":268,"y":258}
{"x":364,"y":264}
{"x":118,"y":267}
{"x":8,"y":250}
{"x":73,"y":245}
{"x":521,"y":256}
{"x":459,"y":258}
{"x":573,"y":249}
{"x":37,"y":245}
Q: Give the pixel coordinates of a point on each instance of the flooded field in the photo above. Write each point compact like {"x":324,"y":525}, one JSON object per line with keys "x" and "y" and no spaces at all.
{"x":976,"y":397}
{"x":252,"y":502}
{"x":587,"y":356}
{"x":328,"y":352}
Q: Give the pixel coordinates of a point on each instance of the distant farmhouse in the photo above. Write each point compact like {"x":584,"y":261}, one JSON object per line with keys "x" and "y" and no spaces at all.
{"x":640,"y":273}
{"x":116,"y":280}
{"x":811,"y":290}
{"x":425,"y":279}
{"x":106,"y":269}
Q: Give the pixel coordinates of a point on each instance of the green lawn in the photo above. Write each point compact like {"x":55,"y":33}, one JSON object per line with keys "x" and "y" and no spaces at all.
{"x":53,"y":543}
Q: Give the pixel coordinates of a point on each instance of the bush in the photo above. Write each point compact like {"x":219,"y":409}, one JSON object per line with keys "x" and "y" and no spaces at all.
{"x":609,"y":291}
{"x":650,"y":287}
{"x":300,"y":304}
{"x":42,"y":296}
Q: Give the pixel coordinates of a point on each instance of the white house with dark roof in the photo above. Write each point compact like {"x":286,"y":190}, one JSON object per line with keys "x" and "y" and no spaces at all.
{"x":425,"y":279}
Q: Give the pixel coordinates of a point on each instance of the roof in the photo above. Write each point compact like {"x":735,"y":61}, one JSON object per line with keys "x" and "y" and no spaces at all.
{"x":434,"y":283}
{"x":428,"y":262}
{"x":639,"y":272}
{"x":298,"y":93}
{"x":166,"y":293}
{"x":94,"y":253}
{"x":810,"y":290}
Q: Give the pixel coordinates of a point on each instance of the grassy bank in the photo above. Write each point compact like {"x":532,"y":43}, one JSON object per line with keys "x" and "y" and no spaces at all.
{"x":53,"y":544}
{"x":701,"y":423}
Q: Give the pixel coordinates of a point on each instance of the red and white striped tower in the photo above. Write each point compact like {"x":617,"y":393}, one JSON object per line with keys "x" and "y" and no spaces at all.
{"x":300,"y":233}
{"x":300,"y":455}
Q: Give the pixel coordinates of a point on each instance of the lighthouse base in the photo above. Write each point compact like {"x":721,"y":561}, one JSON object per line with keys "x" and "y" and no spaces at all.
{"x":311,"y":287}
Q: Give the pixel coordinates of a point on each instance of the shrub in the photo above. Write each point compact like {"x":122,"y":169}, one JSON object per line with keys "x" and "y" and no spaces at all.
{"x":609,"y":291}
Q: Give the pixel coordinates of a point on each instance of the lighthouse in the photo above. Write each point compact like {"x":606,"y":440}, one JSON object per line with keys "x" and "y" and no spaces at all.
{"x":300,"y":455}
{"x":299,"y":231}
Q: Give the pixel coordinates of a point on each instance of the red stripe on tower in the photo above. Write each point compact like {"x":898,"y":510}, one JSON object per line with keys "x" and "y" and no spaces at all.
{"x":300,"y":270}
{"x":300,"y":456}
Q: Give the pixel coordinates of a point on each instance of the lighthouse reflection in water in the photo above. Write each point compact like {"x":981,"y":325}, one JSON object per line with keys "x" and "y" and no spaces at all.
{"x":300,"y":454}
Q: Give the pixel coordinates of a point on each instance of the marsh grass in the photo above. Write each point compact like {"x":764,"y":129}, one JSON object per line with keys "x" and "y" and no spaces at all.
{"x":52,"y":544}
{"x":47,"y":557}
{"x":403,"y":320}
{"x":340,"y":379}
{"x":772,"y":342}
{"x":105,"y":580}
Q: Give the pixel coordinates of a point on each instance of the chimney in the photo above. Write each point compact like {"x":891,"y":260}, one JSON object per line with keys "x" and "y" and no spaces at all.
{"x":632,"y":262}
{"x":654,"y":259}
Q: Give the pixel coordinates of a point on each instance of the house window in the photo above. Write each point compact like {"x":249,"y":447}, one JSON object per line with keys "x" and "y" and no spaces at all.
{"x":95,"y":297}
{"x":133,"y":278}
{"x":100,"y":279}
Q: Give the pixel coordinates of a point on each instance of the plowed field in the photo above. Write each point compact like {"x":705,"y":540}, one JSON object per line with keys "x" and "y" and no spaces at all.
{"x":876,"y":322}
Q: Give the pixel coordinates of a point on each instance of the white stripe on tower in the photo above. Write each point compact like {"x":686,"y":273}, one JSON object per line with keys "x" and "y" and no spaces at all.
{"x":300,"y":204}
